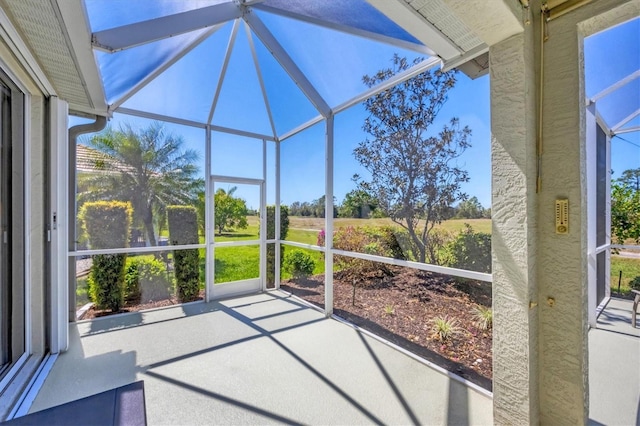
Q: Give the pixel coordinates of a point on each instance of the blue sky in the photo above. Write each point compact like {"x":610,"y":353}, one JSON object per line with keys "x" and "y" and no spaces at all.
{"x":609,"y":57}
{"x":336,"y":72}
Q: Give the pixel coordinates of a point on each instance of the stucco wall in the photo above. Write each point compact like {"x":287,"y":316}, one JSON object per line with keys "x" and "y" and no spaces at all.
{"x":513,"y":159}
{"x":540,"y":352}
{"x":562,"y":273}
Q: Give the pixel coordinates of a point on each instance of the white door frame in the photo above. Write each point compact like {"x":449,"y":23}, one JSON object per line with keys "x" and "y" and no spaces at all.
{"x":252,"y":285}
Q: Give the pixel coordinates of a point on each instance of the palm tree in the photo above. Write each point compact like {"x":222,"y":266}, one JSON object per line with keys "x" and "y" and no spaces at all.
{"x":149,"y":168}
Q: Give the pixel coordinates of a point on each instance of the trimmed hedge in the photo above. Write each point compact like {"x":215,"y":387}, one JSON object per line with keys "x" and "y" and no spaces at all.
{"x":183,"y":229}
{"x":271,"y":234}
{"x":107,"y":224}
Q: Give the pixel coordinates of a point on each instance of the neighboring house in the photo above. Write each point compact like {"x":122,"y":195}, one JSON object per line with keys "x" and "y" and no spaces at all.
{"x":541,"y":305}
{"x":90,"y":161}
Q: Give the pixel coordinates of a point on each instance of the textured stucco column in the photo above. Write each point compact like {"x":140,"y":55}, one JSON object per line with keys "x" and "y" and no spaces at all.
{"x":562,"y":259}
{"x":513,"y":209}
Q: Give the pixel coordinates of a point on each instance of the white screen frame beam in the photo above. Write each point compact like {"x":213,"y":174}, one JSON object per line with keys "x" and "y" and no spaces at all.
{"x":132,"y":35}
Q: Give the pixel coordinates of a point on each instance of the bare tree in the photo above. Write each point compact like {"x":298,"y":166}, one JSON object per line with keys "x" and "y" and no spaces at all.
{"x":414,"y":173}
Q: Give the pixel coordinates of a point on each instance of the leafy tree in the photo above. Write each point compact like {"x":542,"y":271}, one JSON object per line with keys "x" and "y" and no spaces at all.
{"x":148,"y":168}
{"x":230,"y":211}
{"x":631,"y":179}
{"x":413,"y":171}
{"x":358,"y":203}
{"x":318,"y":207}
{"x":201,"y":208}
{"x":625,"y":206}
{"x":470,"y":209}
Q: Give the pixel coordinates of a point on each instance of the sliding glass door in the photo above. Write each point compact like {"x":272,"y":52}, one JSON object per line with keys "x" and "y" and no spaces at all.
{"x":12,"y":288}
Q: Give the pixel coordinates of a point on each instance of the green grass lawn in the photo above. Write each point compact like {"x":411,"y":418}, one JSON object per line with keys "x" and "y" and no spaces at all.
{"x":236,"y":263}
{"x":302,"y":236}
{"x":630,"y":269}
{"x":250,"y":233}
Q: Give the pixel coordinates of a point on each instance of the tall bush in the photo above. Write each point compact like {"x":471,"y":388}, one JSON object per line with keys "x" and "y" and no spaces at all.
{"x":107,"y":224}
{"x":271,"y":234}
{"x":360,"y":240}
{"x":183,"y":229}
{"x":469,"y":250}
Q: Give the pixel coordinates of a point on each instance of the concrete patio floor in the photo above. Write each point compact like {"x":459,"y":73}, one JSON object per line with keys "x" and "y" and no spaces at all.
{"x":257,"y":359}
{"x":614,"y":367}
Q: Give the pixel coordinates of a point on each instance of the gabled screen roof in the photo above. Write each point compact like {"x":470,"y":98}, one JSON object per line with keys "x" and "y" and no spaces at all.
{"x":274,"y":64}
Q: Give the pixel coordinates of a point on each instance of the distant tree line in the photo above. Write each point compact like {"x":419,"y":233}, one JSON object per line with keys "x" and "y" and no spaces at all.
{"x":359,"y":204}
{"x":315,"y":208}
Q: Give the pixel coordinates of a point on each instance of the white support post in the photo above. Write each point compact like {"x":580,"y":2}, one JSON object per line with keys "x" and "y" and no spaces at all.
{"x":592,"y":212}
{"x":209,"y":259}
{"x":59,"y":297}
{"x":328,"y":219}
{"x":607,"y":223}
{"x":223,"y":70}
{"x":276,"y":276}
{"x":263,"y":219}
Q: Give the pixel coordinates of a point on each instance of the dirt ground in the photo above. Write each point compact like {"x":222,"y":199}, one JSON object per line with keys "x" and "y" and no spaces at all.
{"x":401,"y":306}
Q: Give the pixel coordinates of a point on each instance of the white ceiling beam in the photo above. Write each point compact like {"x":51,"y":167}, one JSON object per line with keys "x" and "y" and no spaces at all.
{"x":628,"y":130}
{"x":78,"y":34}
{"x":223,"y":70}
{"x":402,"y":44}
{"x":462,"y":59}
{"x":301,"y":128}
{"x":415,"y":24}
{"x":161,"y":117}
{"x":127,"y":36}
{"x":260,"y":79}
{"x":387,"y":84}
{"x":183,"y":122}
{"x":615,"y":86}
{"x":627,"y":119}
{"x":287,"y":63}
{"x":149,"y":78}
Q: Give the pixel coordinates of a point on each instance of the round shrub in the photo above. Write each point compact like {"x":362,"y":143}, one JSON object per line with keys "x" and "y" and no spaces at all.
{"x":146,"y":280}
{"x":635,"y":283}
{"x":298,"y":263}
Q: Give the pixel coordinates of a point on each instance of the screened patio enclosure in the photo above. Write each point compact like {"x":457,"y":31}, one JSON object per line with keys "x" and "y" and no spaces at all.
{"x":604,"y":108}
{"x":253,"y":87}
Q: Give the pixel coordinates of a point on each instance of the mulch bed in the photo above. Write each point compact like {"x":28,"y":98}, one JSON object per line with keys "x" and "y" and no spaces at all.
{"x":400,"y":306}
{"x":92,"y":312}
